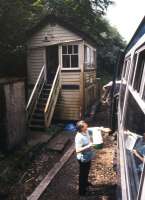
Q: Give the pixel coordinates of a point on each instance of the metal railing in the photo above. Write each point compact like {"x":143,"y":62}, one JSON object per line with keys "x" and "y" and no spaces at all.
{"x":52,"y":99}
{"x":35,"y":94}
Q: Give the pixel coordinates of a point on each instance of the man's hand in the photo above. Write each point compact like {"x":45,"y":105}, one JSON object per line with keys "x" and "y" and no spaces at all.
{"x":134,"y":151}
{"x":90,"y":145}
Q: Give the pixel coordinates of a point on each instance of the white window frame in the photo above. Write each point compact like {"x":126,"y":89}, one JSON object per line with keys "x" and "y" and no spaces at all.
{"x":140,"y":93}
{"x":132,"y":74}
{"x":91,"y":62}
{"x":70,"y":68}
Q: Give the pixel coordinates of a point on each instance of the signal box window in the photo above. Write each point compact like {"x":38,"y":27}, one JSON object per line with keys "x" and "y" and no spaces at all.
{"x":70,"y":56}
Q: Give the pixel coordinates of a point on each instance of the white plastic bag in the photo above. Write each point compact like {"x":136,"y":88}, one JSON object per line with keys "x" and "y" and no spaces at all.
{"x":97,"y":137}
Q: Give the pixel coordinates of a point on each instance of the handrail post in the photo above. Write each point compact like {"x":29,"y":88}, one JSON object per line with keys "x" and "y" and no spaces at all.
{"x":52,"y":97}
{"x":35,"y":93}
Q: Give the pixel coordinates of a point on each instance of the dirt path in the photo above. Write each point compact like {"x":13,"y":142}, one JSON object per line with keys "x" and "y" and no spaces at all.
{"x":24,"y":174}
{"x":65,"y":184}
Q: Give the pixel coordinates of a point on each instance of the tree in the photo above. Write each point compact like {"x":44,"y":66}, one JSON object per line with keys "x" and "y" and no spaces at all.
{"x":17,"y":16}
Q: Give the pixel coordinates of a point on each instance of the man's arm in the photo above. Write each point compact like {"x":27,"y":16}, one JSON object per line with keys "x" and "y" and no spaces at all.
{"x":81,"y":149}
{"x":134,"y":151}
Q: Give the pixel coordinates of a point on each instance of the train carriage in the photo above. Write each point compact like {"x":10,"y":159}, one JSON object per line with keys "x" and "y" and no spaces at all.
{"x":131,"y":119}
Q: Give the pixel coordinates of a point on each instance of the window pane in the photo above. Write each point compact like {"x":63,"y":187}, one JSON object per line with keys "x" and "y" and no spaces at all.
{"x":74,"y":61}
{"x":127,"y":70}
{"x":134,"y":129}
{"x":124,"y":68}
{"x":69,"y":49}
{"x":139,"y":71}
{"x":66,"y":61}
{"x":94,"y":57}
{"x":75,"y":48}
{"x":64,"y":49}
{"x":133,"y":68}
{"x":144,"y":93}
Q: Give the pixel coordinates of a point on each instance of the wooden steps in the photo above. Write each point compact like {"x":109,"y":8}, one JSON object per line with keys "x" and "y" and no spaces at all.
{"x":41,"y":106}
{"x":37,"y":120}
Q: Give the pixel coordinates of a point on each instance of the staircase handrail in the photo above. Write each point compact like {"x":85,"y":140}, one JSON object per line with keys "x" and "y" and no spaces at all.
{"x":35,"y":93}
{"x":52,"y":97}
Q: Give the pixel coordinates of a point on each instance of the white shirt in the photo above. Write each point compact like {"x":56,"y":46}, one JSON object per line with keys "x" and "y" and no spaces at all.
{"x":81,"y":140}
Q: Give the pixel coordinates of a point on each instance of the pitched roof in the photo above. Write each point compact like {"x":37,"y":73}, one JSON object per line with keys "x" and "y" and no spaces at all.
{"x":53,"y":20}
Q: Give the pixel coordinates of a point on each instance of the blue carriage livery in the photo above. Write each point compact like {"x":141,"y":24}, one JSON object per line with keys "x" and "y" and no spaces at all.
{"x":131,"y":119}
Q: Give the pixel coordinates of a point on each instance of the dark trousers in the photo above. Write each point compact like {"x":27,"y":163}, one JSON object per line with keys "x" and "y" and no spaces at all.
{"x":84,"y":169}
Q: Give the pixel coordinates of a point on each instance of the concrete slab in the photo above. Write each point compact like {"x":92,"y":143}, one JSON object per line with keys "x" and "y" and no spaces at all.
{"x":38,"y":137}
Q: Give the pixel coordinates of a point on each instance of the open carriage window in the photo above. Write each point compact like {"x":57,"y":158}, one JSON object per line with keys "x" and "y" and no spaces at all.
{"x":126,"y":68}
{"x":143,"y":96}
{"x":133,"y":68}
{"x":134,"y":140}
{"x":140,"y":73}
{"x":70,"y":56}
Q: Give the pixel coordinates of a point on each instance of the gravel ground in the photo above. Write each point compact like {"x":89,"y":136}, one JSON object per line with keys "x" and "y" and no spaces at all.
{"x":65,"y":184}
{"x":23,"y":179}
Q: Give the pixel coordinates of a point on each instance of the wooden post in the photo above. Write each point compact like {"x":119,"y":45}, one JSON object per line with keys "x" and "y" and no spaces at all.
{"x":51,"y":174}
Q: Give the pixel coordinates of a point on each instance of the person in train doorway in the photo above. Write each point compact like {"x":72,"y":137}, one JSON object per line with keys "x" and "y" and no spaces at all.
{"x":84,"y":153}
{"x":139,"y":152}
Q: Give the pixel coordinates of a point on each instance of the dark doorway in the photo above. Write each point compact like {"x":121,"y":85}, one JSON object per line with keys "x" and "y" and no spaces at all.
{"x":51,"y":62}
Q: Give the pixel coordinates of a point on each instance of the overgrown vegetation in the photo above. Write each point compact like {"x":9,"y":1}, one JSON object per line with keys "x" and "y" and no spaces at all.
{"x":17,"y":16}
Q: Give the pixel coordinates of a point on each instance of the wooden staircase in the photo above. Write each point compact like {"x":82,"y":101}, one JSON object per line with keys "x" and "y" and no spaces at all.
{"x":42,"y":102}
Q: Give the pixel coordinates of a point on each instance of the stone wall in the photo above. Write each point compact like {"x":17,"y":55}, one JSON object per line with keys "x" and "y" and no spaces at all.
{"x":13,"y":130}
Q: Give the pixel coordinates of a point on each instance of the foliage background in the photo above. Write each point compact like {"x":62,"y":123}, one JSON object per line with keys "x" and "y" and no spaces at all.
{"x":18,"y":16}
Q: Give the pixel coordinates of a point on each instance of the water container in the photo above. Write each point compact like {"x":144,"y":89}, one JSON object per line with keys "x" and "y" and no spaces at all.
{"x":97,"y":137}
{"x":70,"y":127}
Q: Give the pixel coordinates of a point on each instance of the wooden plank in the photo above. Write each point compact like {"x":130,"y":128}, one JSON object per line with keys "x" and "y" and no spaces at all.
{"x":34,"y":64}
{"x":51,"y":174}
{"x":68,"y":115}
{"x":69,"y":99}
{"x":71,"y":81}
{"x":72,"y":93}
{"x":58,"y":143}
{"x":73,"y":76}
{"x":68,"y":104}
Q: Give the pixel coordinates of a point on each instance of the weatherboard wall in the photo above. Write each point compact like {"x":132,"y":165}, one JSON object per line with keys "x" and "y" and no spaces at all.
{"x":49,"y":34}
{"x":75,"y":97}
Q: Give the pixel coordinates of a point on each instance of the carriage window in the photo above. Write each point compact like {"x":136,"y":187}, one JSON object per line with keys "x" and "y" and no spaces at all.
{"x":139,"y":72}
{"x":127,"y":69}
{"x":143,"y":97}
{"x":124,"y":68}
{"x":70,"y":56}
{"x":133,"y":68}
{"x":134,"y":140}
